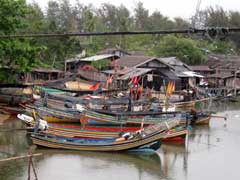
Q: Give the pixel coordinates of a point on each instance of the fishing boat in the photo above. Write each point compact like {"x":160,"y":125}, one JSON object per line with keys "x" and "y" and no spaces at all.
{"x":177,"y":133}
{"x":15,"y":94}
{"x":98,"y":132}
{"x":147,"y":138}
{"x":60,"y":115}
{"x":102,"y":117}
{"x":201,"y":118}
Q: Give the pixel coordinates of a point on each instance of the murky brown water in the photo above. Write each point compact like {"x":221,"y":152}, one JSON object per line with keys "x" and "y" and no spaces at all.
{"x":211,"y":152}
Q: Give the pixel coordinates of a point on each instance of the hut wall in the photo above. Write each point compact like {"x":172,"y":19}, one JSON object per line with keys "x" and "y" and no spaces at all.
{"x":230,"y":82}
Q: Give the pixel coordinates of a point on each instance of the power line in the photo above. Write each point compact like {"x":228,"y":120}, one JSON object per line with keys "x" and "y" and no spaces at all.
{"x":210,"y":31}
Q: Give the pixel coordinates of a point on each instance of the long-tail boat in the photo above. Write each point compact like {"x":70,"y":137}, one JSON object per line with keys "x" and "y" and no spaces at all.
{"x":101,"y":117}
{"x":99,"y":132}
{"x":148,"y":138}
{"x":201,"y":118}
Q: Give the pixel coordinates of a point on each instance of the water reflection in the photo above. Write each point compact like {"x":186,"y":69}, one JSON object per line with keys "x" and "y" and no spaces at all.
{"x":91,"y":165}
{"x":211,"y":149}
{"x":174,"y":157}
{"x":12,"y":143}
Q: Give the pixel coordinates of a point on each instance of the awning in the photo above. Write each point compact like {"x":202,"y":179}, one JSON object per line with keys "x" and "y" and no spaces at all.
{"x":189,"y":74}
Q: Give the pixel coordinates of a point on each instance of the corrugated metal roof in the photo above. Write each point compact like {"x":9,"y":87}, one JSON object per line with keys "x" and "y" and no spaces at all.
{"x":169,"y":74}
{"x":98,"y":57}
{"x":135,"y":72}
{"x":219,"y":75}
{"x":71,"y":60}
{"x":132,"y":61}
{"x":176,"y":63}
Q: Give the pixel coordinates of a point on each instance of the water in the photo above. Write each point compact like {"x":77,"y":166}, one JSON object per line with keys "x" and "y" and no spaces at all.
{"x":211,"y":152}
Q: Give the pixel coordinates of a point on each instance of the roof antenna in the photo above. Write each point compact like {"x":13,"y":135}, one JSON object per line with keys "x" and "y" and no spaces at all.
{"x":196,"y":14}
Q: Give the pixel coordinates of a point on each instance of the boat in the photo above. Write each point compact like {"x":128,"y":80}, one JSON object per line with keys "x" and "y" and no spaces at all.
{"x":147,"y":138}
{"x":98,"y":132}
{"x":102,"y":117}
{"x":14,"y":95}
{"x":201,"y":118}
{"x":177,"y":133}
{"x":55,"y":115}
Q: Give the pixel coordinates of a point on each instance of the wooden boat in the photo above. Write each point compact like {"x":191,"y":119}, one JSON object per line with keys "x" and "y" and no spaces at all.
{"x":99,"y":132}
{"x":200,"y":118}
{"x":15,"y":100}
{"x":15,"y":94}
{"x":149,"y":138}
{"x":178,"y":133}
{"x":175,"y":134}
{"x":102,"y":117}
{"x":122,"y":102}
{"x":55,"y":115}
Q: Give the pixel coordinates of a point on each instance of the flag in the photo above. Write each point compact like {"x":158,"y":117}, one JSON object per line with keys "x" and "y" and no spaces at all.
{"x":170,"y":88}
{"x":135,"y":80}
{"x":174,"y":86}
{"x":98,"y":90}
{"x":94,"y":87}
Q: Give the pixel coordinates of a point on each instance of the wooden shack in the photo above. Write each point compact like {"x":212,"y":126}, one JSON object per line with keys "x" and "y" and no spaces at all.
{"x":189,"y":78}
{"x":40,"y":75}
{"x":153,"y":73}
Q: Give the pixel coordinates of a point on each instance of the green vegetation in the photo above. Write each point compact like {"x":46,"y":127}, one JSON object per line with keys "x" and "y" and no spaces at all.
{"x":16,"y":56}
{"x":22,"y":55}
{"x":102,"y":64}
{"x":184,"y":48}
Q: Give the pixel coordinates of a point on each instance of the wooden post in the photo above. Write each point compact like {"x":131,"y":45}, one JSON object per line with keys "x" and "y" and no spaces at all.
{"x":235,"y":84}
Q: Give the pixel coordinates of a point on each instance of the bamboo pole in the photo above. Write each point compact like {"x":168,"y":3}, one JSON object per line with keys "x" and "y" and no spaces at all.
{"x":21,"y":157}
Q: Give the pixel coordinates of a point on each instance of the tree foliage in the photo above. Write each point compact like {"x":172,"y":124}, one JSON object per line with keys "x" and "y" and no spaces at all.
{"x":16,"y":56}
{"x":102,"y":64}
{"x":184,"y":48}
{"x":61,"y":16}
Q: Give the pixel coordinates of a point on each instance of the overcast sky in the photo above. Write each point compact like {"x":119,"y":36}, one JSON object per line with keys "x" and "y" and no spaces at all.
{"x":171,"y":8}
